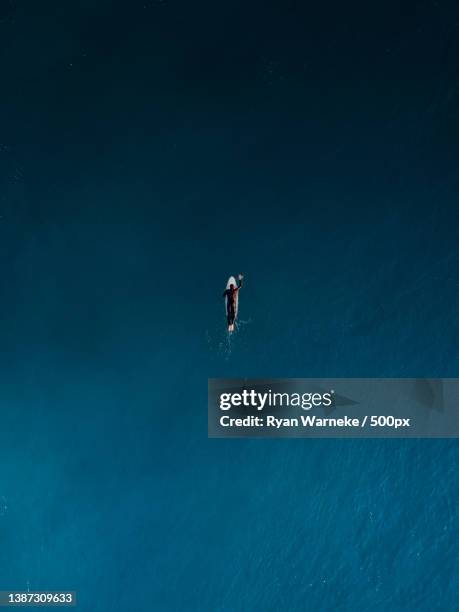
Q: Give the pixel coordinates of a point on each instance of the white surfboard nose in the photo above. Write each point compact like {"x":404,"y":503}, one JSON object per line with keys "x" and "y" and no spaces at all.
{"x":231,"y":281}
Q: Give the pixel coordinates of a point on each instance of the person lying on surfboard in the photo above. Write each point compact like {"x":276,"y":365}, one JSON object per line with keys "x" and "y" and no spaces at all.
{"x":231,"y":296}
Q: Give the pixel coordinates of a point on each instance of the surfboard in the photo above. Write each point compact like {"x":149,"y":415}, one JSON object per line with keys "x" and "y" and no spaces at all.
{"x":232,"y":281}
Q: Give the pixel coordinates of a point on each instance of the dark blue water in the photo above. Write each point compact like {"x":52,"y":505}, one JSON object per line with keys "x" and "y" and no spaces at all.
{"x":148,"y":153}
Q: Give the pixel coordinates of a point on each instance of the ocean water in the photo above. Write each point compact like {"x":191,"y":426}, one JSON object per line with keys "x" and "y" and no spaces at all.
{"x":149,"y":153}
{"x":110,"y":486}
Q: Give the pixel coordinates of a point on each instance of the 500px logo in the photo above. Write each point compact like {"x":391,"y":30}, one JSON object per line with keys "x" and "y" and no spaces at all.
{"x":254,"y":399}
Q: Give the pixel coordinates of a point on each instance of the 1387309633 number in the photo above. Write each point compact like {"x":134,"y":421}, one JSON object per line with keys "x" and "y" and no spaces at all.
{"x":50,"y":598}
